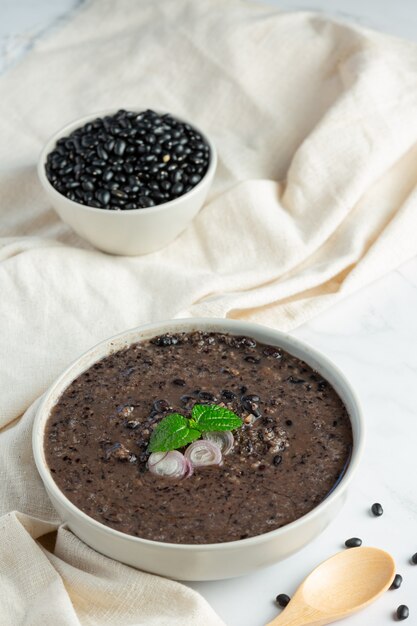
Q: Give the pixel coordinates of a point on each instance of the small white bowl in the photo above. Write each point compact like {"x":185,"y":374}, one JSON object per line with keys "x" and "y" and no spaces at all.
{"x":201,"y":561}
{"x":134,"y":232}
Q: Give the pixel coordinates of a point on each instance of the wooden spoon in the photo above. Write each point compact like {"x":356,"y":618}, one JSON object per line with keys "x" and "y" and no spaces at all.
{"x":345,"y":583}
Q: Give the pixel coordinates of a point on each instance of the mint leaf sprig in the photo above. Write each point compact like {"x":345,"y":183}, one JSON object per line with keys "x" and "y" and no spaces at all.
{"x":176,"y":431}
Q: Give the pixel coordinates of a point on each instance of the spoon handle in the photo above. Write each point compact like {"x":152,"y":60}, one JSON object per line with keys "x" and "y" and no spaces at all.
{"x":303,"y":615}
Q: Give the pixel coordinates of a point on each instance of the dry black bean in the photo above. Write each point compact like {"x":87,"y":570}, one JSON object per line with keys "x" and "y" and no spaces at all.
{"x":103,"y":196}
{"x":145,"y":201}
{"x":108,"y":175}
{"x":177,"y":189}
{"x":119,"y":147}
{"x":102,"y":153}
{"x":94,"y":171}
{"x":87,"y":185}
{"x":195,"y":179}
{"x":120,"y":195}
{"x":403,"y":612}
{"x":377,"y":509}
{"x":282,"y":600}
{"x":128,"y":168}
{"x":165,"y":157}
{"x":158,"y":197}
{"x":353,"y":542}
{"x":396,"y":583}
{"x":414,"y":559}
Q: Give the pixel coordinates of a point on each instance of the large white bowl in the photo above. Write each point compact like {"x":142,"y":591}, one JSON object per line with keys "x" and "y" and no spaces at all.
{"x":208,"y":561}
{"x":127,"y":232}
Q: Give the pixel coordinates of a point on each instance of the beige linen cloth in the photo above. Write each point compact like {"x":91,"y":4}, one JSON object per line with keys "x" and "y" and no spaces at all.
{"x":316,"y":129}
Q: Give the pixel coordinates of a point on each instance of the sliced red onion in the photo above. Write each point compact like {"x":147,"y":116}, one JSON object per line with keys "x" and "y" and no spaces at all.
{"x":223,"y":439}
{"x":171,"y":464}
{"x":203,"y":452}
{"x":190,"y":469}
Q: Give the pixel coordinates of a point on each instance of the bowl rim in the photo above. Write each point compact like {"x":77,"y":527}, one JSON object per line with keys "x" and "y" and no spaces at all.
{"x":147,"y":331}
{"x":76,"y":123}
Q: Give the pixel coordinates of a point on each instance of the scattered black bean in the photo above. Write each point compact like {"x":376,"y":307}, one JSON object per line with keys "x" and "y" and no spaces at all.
{"x":402,"y":612}
{"x":414,"y":559}
{"x":167,"y":157}
{"x":354,"y":542}
{"x":179,"y":382}
{"x":396,"y":583}
{"x":282,"y":599}
{"x":277,"y":459}
{"x":377,"y":509}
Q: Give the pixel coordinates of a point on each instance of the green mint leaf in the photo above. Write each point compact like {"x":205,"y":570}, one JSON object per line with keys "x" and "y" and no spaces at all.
{"x":208,"y":417}
{"x":171,"y":433}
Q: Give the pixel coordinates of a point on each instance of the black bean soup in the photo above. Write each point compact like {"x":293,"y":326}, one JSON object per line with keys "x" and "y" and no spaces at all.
{"x":129,"y":160}
{"x":291,"y":451}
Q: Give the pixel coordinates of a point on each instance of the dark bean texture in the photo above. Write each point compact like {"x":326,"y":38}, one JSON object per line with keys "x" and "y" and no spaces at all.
{"x":274,"y":473}
{"x":158,"y":149}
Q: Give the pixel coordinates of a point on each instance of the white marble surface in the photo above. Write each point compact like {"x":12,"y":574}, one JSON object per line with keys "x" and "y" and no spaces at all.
{"x":371,"y":336}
